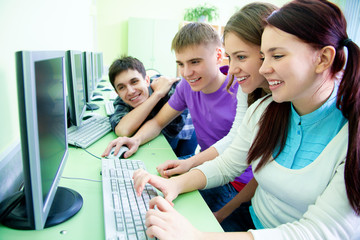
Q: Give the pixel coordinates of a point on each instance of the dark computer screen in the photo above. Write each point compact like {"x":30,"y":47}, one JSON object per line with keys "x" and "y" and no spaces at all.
{"x":50,"y":119}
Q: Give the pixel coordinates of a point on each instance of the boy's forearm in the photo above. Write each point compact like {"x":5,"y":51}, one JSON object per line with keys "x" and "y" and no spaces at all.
{"x":147,"y":132}
{"x":153,"y":127}
{"x":243,"y":196}
{"x":200,"y":158}
{"x":131,"y":122}
{"x":250,"y":189}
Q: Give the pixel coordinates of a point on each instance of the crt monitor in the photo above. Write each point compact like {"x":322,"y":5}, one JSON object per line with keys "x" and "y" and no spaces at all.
{"x":75,"y":87}
{"x":44,"y":146}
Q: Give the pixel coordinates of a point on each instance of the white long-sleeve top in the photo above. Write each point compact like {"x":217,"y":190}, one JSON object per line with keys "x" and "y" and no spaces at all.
{"x":241,"y":108}
{"x":307,"y":203}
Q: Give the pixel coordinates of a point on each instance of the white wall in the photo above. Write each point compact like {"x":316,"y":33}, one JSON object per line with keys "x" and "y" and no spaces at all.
{"x":37,"y":25}
{"x":79,"y":25}
{"x":113,"y":18}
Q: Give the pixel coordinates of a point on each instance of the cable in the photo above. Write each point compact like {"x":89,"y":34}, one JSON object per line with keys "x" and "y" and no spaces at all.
{"x":78,"y":146}
{"x":91,"y":153}
{"x":84,"y":179}
{"x":10,"y":203}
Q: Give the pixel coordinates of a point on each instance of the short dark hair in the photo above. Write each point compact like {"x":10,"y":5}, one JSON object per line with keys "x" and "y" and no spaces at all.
{"x":124,"y":63}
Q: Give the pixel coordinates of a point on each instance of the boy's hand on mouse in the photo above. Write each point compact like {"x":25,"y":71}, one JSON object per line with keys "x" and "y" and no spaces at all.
{"x":131,"y":143}
{"x":162,"y":85}
{"x":173,"y":167}
{"x":141,"y":177}
{"x":167,"y":223}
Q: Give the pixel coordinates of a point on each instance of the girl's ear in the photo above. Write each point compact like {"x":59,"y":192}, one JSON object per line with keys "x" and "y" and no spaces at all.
{"x":325,"y":58}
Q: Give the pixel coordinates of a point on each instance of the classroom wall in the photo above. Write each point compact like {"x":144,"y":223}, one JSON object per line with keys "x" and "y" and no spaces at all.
{"x":66,"y":24}
{"x":37,"y":25}
{"x":113,"y":18}
{"x":88,"y":25}
{"x":113,"y":15}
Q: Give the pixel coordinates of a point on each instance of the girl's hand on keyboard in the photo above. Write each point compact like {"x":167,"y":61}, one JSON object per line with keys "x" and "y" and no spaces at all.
{"x":141,"y":177}
{"x":166,"y":223}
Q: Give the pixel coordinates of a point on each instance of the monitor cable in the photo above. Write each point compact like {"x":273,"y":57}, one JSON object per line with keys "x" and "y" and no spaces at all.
{"x":10,"y":203}
{"x":77,"y":146}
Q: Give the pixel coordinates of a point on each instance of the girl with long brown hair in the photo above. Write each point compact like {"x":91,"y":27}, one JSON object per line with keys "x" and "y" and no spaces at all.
{"x":303,"y":142}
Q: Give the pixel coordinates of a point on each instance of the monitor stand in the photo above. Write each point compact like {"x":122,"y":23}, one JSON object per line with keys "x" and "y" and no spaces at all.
{"x":97,"y":94}
{"x":66,"y":204}
{"x":91,"y":106}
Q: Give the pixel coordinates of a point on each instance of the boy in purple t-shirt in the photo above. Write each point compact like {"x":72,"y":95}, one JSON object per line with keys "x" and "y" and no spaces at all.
{"x":212,"y":113}
{"x":202,"y":90}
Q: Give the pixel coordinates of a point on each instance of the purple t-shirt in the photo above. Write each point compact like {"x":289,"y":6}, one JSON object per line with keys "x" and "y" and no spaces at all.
{"x":212,"y":114}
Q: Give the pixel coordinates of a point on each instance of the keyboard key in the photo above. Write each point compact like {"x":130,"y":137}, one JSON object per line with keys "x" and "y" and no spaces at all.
{"x":128,"y":220}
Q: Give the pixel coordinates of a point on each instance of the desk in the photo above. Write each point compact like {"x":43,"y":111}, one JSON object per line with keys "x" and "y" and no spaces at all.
{"x":88,"y":223}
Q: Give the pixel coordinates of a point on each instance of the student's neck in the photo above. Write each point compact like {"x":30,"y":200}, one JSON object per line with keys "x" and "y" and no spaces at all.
{"x":310,"y":104}
{"x":215,"y":84}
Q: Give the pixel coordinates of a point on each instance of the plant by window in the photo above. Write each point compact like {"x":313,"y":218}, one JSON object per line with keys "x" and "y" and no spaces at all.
{"x":201,"y":13}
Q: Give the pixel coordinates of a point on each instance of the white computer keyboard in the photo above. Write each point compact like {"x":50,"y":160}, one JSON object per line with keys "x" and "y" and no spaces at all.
{"x":124,"y":211}
{"x":112,"y":95}
{"x":109,"y":107}
{"x":90,"y":131}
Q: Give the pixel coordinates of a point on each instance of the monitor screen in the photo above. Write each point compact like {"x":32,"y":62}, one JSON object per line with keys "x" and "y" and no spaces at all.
{"x":50,"y":119}
{"x":75,"y":87}
{"x":88,"y":74}
{"x":42,"y":118}
{"x":99,"y":66}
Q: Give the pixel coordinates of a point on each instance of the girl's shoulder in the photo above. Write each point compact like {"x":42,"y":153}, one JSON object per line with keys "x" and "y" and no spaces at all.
{"x":255,"y":111}
{"x":261,"y":104}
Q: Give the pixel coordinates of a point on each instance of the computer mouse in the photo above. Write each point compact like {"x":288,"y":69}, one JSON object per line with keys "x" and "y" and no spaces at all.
{"x":100,"y":86}
{"x":97,"y":94}
{"x":120,"y":154}
{"x":97,"y":98}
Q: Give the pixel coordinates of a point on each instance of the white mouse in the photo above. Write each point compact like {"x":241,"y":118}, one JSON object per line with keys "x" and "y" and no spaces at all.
{"x":120,"y":154}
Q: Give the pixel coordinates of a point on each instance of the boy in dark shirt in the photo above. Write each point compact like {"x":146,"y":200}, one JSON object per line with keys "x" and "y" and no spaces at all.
{"x":140,"y":99}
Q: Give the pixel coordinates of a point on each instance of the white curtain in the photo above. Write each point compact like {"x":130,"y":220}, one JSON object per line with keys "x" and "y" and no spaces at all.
{"x":352,"y":14}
